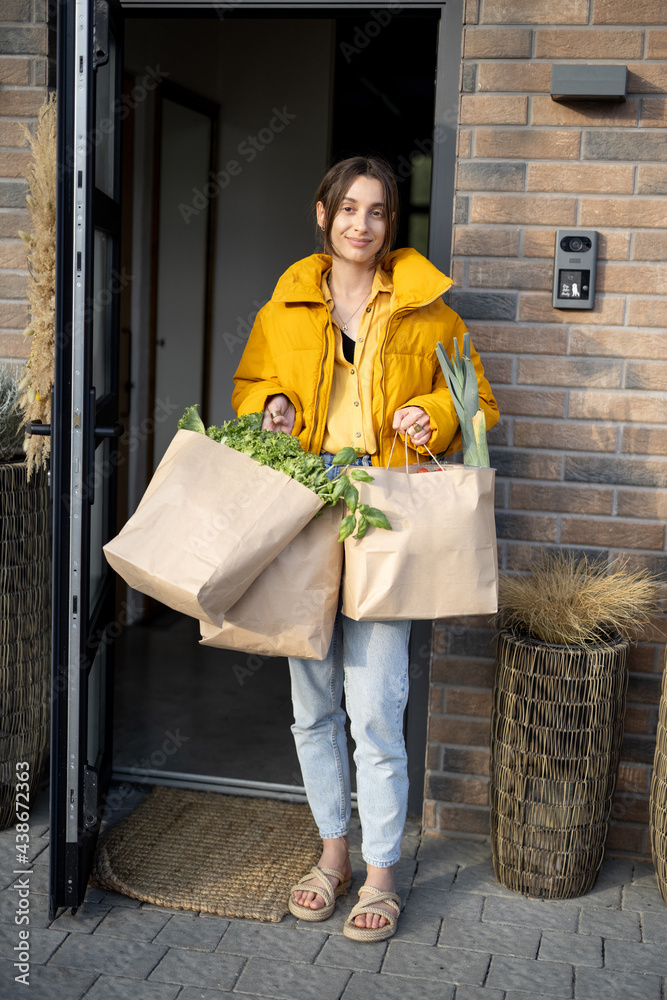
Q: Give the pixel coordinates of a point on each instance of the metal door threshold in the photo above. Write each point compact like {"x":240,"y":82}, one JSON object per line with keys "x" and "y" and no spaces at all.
{"x":210,"y":783}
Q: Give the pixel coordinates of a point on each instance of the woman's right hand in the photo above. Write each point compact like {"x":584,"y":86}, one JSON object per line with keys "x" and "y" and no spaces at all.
{"x":279,"y":414}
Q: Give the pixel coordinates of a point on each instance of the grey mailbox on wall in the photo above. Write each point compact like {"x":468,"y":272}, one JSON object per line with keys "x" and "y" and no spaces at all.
{"x":575,"y":263}
{"x":581,"y":82}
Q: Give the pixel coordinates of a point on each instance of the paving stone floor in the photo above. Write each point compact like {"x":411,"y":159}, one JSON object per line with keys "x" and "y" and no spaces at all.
{"x":462,"y":936}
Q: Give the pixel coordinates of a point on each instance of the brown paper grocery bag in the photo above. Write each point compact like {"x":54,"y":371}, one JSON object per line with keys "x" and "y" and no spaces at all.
{"x":209,"y":522}
{"x":440,"y":557}
{"x":290,"y":608}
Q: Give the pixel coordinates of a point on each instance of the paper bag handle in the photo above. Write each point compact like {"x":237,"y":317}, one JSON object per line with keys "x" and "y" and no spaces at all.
{"x":393,"y":444}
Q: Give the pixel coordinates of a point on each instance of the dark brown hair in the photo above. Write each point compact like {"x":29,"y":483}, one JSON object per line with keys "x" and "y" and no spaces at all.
{"x":337,"y":182}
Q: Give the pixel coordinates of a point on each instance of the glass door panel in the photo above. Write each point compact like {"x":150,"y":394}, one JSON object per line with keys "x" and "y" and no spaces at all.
{"x":96,"y":717}
{"x":105,"y":133}
{"x":99,"y":523}
{"x":102,"y":302}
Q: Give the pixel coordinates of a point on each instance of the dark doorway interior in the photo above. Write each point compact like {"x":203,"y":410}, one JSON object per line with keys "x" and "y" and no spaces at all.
{"x":384,"y":102}
{"x":184,"y":708}
{"x":180,"y":707}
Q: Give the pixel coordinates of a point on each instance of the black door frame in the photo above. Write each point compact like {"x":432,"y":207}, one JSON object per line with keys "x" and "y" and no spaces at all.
{"x":82,"y":662}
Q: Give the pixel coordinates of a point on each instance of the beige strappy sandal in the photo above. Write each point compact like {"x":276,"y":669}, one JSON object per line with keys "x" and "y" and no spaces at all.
{"x":328,"y":894}
{"x":370,"y":934}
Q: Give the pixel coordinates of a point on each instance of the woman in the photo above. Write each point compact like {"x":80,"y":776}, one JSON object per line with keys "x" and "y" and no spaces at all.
{"x":344,"y":353}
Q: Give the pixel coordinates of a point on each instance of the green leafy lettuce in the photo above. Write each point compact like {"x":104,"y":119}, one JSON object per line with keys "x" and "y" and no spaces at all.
{"x":283,"y":452}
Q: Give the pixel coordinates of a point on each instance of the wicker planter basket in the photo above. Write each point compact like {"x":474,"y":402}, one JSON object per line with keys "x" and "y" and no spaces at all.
{"x":556,"y":731}
{"x":25,"y":571}
{"x":658,"y":798}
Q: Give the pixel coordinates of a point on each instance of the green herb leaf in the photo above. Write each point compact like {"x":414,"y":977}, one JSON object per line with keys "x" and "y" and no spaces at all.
{"x":339,"y":487}
{"x":361,"y":476}
{"x":347,"y":526}
{"x":346,"y":456}
{"x":377,"y":518}
{"x":362,"y":527}
{"x":351,"y":496}
{"x":191,"y":421}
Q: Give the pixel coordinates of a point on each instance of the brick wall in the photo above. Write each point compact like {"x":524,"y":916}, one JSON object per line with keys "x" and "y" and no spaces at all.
{"x":24,"y":77}
{"x":581,"y":447}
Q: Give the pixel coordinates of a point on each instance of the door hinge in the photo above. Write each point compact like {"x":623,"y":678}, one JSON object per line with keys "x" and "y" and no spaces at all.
{"x":101,"y":34}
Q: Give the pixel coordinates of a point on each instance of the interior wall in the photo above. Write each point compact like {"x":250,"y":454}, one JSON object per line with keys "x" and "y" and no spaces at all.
{"x":185,"y":158}
{"x":276,"y":84}
{"x":272,"y":79}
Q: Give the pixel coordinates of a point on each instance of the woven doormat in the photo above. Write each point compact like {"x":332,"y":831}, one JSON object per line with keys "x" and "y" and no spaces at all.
{"x":229,"y":855}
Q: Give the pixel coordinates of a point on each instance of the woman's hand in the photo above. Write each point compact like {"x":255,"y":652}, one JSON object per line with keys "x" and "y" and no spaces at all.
{"x":279,"y":414}
{"x":414,"y":421}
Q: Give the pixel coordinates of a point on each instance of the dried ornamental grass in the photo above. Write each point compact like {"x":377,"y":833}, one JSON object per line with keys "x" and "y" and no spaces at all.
{"x":11,"y":436}
{"x":38,"y":376}
{"x":570,"y":601}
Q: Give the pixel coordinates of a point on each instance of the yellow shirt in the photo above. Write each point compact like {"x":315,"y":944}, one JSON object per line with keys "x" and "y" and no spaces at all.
{"x":349,"y":417}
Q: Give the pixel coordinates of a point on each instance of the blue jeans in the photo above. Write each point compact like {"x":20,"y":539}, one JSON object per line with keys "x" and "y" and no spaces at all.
{"x":369,"y":661}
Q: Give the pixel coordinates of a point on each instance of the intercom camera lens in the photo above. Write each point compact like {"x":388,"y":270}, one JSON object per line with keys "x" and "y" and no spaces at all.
{"x":576,"y":244}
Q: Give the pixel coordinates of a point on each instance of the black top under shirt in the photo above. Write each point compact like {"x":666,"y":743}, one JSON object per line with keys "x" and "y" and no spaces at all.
{"x":348,"y":347}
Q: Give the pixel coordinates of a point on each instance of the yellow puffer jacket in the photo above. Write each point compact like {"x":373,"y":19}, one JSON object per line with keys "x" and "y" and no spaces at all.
{"x":291,"y":351}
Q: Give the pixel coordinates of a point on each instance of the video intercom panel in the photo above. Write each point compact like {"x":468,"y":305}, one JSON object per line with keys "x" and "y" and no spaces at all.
{"x":575,"y":264}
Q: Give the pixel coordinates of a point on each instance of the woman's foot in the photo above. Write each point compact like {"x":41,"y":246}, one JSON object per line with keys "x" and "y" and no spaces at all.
{"x":335,"y":854}
{"x":383,"y":879}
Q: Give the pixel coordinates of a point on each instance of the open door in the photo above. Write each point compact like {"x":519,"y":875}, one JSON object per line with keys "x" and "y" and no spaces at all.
{"x":85,"y":405}
{"x":84,"y":427}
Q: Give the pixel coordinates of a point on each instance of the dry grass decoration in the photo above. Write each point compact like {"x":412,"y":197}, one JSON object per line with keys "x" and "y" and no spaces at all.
{"x":572,"y":601}
{"x":37,"y":382}
{"x":11,"y":436}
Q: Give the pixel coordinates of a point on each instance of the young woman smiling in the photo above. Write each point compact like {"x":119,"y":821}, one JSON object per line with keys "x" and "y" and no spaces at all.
{"x":344,"y":353}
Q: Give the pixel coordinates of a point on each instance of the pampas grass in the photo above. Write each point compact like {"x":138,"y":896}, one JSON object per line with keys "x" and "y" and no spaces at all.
{"x":37,"y":379}
{"x":571,"y":601}
{"x":11,"y":435}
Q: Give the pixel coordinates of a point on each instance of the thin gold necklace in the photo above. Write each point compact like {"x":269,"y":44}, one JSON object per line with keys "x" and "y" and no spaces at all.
{"x":346,"y":322}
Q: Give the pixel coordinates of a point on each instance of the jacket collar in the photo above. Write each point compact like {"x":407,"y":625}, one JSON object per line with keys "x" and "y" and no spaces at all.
{"x":416,"y":281}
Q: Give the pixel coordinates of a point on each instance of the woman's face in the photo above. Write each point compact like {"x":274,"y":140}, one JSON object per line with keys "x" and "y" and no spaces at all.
{"x":358,"y":231}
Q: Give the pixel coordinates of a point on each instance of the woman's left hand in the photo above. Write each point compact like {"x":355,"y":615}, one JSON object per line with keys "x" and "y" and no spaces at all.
{"x":279,"y":414}
{"x":414,"y":421}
